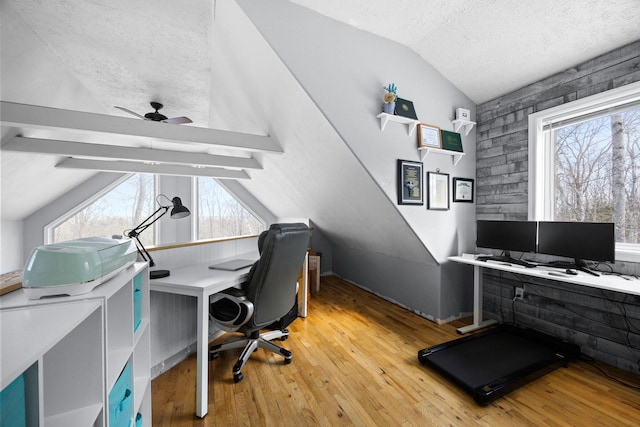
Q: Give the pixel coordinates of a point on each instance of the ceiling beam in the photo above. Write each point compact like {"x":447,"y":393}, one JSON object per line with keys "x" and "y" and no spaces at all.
{"x":33,"y":116}
{"x":160,"y":169}
{"x":115,"y":152}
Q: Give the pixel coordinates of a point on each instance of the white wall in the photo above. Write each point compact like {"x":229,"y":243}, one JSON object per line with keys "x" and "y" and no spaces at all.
{"x":11,"y":248}
{"x":343,"y":70}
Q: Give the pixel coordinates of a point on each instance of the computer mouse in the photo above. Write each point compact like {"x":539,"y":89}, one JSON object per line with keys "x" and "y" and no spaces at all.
{"x":570,"y":271}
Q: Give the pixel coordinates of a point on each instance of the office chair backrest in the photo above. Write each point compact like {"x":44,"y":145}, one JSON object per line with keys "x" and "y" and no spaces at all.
{"x":272,"y":283}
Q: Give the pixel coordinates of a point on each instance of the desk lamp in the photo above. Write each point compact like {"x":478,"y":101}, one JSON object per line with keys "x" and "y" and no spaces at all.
{"x":177,"y":211}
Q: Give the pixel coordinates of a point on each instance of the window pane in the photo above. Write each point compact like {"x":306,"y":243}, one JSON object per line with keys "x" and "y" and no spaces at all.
{"x":122,"y":208}
{"x":597,"y":173}
{"x":221,"y":215}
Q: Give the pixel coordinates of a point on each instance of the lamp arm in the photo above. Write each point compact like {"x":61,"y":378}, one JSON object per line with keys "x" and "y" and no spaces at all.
{"x":143,"y":226}
{"x":143,"y":252}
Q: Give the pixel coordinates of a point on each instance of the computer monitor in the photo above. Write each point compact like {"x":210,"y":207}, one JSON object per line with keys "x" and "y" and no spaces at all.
{"x":582,"y":241}
{"x":506,"y":236}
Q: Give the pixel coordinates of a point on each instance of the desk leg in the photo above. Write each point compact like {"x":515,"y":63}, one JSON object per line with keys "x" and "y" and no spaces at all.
{"x":477,"y":305}
{"x":202,"y":379}
{"x":302,"y":309}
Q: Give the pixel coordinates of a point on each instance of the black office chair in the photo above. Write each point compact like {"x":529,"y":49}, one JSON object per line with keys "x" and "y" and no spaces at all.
{"x":268,"y":294}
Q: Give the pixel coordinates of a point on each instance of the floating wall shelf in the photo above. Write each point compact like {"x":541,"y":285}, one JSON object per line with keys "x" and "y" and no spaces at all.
{"x":455,"y":155}
{"x":468,"y":125}
{"x":385,"y":118}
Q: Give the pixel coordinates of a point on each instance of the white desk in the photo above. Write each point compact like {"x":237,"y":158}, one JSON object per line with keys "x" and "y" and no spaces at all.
{"x":201,"y":282}
{"x":608,"y":282}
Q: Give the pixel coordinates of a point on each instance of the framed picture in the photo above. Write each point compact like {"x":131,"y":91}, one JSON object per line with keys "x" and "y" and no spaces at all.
{"x":451,"y":141}
{"x":428,"y":136}
{"x":410,"y":183}
{"x":463,"y":190}
{"x":405,"y":108}
{"x":438,"y":191}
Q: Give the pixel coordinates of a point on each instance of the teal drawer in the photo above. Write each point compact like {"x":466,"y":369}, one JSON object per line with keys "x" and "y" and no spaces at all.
{"x":12,"y":404}
{"x":137,"y":301}
{"x":121,"y":400}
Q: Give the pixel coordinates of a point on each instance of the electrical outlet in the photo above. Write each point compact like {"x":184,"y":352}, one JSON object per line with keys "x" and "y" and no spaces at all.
{"x":518,"y":293}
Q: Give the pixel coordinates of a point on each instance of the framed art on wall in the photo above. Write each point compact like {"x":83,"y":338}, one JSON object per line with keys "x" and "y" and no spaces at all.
{"x":451,"y":141}
{"x":405,"y":108}
{"x":428,"y":136}
{"x":438,"y":191}
{"x":463,"y":190}
{"x":410,"y":183}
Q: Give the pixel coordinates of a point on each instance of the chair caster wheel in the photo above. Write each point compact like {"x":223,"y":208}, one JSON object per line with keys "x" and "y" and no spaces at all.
{"x":237,"y":377}
{"x":284,"y":337}
{"x":287,"y":361}
{"x":214,"y":355}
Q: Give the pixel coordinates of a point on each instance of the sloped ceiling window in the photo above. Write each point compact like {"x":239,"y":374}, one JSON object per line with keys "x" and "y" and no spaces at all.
{"x":221,"y":215}
{"x":118,"y":208}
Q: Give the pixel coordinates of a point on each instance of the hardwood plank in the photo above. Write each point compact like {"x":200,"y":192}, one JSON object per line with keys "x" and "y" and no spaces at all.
{"x":355,"y":363}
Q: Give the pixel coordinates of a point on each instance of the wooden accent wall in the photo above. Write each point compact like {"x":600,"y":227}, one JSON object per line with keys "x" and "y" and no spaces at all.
{"x":502,"y":127}
{"x":606,"y":325}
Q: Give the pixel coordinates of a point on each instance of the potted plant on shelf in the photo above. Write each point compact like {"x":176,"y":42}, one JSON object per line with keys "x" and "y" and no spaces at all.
{"x":390,"y":97}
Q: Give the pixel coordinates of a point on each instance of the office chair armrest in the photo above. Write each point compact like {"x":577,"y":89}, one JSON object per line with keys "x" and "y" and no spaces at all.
{"x":230,"y":309}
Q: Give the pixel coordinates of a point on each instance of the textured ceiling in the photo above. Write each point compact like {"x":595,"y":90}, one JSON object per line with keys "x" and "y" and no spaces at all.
{"x":93,"y":55}
{"x":492,"y":47}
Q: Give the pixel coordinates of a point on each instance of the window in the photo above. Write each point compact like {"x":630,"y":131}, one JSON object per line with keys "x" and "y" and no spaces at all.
{"x":584,"y":164}
{"x":220,"y":214}
{"x":113,"y":211}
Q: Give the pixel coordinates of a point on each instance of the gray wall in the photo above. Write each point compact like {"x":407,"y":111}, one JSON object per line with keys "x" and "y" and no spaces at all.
{"x":343,"y":70}
{"x":596,"y":320}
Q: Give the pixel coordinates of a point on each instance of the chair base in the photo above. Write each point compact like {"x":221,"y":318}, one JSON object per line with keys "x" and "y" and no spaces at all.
{"x":251,"y":344}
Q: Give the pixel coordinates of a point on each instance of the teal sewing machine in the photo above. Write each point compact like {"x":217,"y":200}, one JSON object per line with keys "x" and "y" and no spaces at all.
{"x":75,"y":267}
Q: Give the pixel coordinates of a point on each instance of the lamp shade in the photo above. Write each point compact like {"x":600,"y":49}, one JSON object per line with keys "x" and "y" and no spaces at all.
{"x":178,"y":211}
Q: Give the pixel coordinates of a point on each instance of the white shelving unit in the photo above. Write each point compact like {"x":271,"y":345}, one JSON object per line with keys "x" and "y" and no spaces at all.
{"x":455,"y":155}
{"x":71,"y":350}
{"x":61,"y":344}
{"x":386,"y":118}
{"x":466,"y":124}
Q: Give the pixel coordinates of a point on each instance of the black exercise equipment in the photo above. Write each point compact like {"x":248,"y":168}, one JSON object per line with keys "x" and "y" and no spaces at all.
{"x":490,"y":364}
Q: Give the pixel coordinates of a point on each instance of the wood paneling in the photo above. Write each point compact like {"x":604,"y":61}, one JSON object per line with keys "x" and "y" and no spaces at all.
{"x":355,"y":363}
{"x":605,"y":324}
{"x":502,"y":127}
{"x":502,"y":193}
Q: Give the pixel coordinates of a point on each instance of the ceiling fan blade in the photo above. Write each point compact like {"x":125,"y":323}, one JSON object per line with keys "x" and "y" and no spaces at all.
{"x":131,"y":112}
{"x":178,"y":120}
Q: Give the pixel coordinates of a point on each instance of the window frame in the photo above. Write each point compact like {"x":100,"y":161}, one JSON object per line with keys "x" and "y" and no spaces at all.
{"x":48,"y":228}
{"x":195,"y":227}
{"x":541,"y":170}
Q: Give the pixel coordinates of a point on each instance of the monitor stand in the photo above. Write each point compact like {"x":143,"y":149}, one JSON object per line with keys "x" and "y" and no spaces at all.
{"x":506,"y":257}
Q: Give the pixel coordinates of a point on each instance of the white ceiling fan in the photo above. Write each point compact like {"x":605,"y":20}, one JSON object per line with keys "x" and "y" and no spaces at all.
{"x":156,"y":116}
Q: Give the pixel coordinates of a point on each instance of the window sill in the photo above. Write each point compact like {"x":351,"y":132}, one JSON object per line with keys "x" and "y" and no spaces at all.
{"x":627,"y":253}
{"x":199,"y":242}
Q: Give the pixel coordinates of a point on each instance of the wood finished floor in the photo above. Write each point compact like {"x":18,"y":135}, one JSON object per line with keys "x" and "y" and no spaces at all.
{"x":355,"y":364}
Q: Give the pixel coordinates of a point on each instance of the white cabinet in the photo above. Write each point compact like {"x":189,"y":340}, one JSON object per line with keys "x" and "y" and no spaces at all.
{"x":66,"y":353}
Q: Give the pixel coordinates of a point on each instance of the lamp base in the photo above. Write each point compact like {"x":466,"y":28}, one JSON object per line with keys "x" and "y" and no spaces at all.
{"x":157,"y":274}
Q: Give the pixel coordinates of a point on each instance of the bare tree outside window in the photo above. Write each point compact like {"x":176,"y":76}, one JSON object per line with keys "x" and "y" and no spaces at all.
{"x":120,"y":209}
{"x":597,"y":173}
{"x":221,"y":215}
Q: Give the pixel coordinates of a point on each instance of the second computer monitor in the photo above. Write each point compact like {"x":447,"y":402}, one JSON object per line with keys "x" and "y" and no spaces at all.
{"x":507,"y":235}
{"x":592,"y":241}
